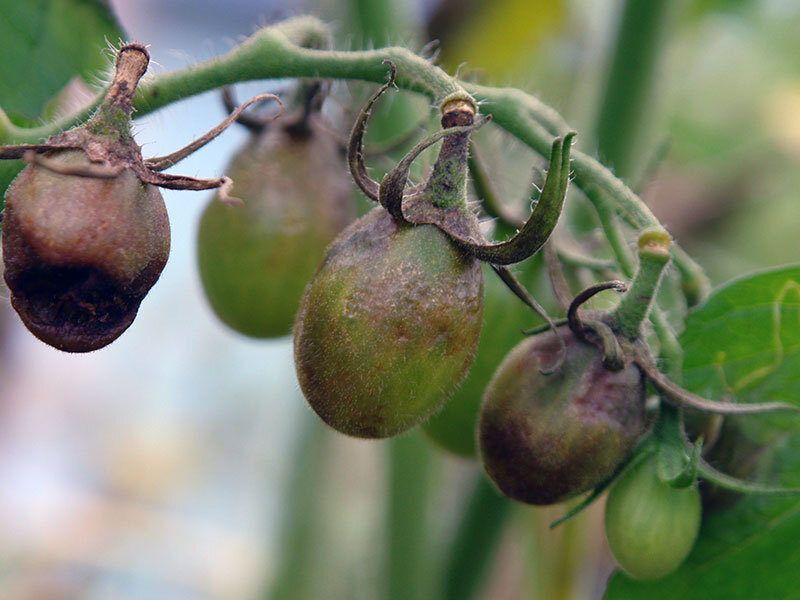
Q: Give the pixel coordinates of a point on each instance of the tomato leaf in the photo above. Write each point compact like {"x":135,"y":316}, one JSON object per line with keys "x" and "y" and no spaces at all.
{"x":745,"y":339}
{"x":744,"y":343}
{"x":44,"y":44}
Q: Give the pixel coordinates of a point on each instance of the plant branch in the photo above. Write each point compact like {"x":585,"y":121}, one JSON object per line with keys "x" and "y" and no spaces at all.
{"x":636,"y":303}
{"x":273,"y":52}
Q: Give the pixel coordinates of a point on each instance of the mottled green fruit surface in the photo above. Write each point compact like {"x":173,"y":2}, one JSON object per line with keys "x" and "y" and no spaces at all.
{"x":504,"y":318}
{"x":387,"y":327}
{"x":544,"y":439}
{"x":255,"y":260}
{"x":650,"y":526}
{"x":81,"y":253}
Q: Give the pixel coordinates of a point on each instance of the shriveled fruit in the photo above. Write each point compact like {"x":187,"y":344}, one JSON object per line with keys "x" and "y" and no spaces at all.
{"x":388,"y":326}
{"x":255,"y":260}
{"x":651,"y":527}
{"x":544,"y":439}
{"x":81,"y":253}
{"x":83,"y":237}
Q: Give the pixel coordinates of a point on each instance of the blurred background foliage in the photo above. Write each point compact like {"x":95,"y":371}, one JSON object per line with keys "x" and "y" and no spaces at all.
{"x":181,"y":462}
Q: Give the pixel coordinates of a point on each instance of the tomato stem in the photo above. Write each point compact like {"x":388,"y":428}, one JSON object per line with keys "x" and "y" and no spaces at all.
{"x":277,"y":52}
{"x":635,"y":305}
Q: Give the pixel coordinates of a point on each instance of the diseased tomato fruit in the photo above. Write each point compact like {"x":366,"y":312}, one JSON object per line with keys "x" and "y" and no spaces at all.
{"x":255,"y":260}
{"x":544,"y":439}
{"x":650,"y":526}
{"x":387,"y":327}
{"x":81,"y":252}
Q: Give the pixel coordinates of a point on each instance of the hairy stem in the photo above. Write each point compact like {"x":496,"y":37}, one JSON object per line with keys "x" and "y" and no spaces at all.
{"x":273,"y":52}
{"x":635,"y":304}
{"x":629,"y":85}
{"x":670,"y":347}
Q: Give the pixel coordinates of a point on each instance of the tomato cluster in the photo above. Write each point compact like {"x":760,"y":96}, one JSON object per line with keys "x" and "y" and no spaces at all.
{"x":386,"y":311}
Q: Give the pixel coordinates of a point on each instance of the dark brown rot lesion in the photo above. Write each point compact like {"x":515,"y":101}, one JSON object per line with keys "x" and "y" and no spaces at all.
{"x":73,"y":308}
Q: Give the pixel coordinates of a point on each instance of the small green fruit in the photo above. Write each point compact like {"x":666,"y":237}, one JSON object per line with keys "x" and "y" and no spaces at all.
{"x":255,"y":260}
{"x":544,"y":439}
{"x":387,"y":327}
{"x":651,"y":527}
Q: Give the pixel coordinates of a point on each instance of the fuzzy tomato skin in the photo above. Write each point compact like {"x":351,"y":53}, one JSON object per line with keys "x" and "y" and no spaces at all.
{"x":387,"y":327}
{"x":255,"y":260}
{"x":650,"y":526}
{"x":544,"y":439}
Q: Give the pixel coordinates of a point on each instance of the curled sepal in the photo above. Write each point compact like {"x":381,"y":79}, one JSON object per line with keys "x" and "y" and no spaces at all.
{"x":90,"y":170}
{"x":573,"y":318}
{"x":23,"y":150}
{"x":675,"y":468}
{"x":540,"y":224}
{"x":519,"y":290}
{"x":677,"y":396}
{"x":355,"y":146}
{"x":392,"y":186}
{"x":734,"y":484}
{"x":255,"y":123}
{"x":165,"y":162}
{"x":613,"y":355}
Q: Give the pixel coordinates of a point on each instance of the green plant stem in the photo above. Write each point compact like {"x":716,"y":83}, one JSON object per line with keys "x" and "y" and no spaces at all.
{"x":640,"y":36}
{"x":273,"y":52}
{"x":475,"y":541}
{"x":635,"y":304}
{"x":304,"y":516}
{"x":629,"y":85}
{"x":408,"y":555}
{"x":670,"y":349}
{"x":534,"y":124}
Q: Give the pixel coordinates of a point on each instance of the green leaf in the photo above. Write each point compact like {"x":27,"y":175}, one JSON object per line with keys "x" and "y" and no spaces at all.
{"x":744,"y":343}
{"x":746,"y":338}
{"x":44,"y":44}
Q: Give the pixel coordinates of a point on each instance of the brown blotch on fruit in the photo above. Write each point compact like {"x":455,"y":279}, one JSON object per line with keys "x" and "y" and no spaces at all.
{"x":81,"y":253}
{"x":547,"y":438}
{"x":388,"y":326}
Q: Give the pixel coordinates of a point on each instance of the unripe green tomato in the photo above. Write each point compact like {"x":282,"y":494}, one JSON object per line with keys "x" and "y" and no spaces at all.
{"x":544,"y":439}
{"x":255,"y":260}
{"x":650,"y":526}
{"x":504,"y":318}
{"x":387,"y":327}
